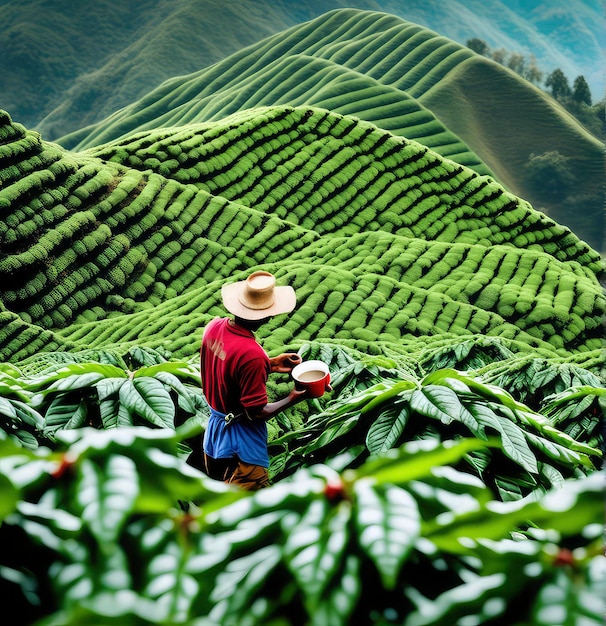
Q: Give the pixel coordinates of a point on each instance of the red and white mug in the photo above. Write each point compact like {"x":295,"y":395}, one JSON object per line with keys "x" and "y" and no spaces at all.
{"x":312,"y":375}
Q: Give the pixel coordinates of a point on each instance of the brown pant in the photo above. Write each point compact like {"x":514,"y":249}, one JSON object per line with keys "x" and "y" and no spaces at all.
{"x":236,"y":472}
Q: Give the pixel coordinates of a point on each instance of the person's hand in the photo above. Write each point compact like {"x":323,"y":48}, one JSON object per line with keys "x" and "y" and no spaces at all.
{"x":296,"y":395}
{"x":285,"y":362}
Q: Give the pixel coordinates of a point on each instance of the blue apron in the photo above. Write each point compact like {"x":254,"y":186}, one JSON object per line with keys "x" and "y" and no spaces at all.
{"x":240,"y":437}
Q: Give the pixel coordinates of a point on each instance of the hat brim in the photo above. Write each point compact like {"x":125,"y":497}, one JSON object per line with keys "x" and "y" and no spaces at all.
{"x":284,"y":302}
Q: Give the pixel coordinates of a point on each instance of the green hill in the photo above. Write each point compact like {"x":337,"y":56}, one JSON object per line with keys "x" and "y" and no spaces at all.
{"x":89,"y":59}
{"x":390,"y":247}
{"x":522,"y":128}
{"x":404,"y":79}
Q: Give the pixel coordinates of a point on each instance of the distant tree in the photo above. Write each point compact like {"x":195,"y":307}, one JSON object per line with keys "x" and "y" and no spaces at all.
{"x":550,"y":173}
{"x":558,"y":83}
{"x":500,"y":56}
{"x":517,"y":63}
{"x":577,"y":100}
{"x":479,"y":46}
{"x":580,"y":91}
{"x":533,"y":74}
{"x":592,"y":117}
{"x":599,"y":110}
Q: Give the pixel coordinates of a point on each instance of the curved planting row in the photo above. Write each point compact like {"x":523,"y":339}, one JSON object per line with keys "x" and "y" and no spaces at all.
{"x":20,"y":340}
{"x":383,"y":240}
{"x":332,"y":306}
{"x":553,"y":301}
{"x":402,"y":78}
{"x":103,"y":238}
{"x":357,"y":308}
{"x":370,"y":65}
{"x":340,"y":176}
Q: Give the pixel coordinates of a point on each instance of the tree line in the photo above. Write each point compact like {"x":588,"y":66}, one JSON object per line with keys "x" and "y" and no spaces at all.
{"x":576,"y":98}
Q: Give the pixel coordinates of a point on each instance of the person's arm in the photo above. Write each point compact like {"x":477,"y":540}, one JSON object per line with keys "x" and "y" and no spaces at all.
{"x":271,"y":409}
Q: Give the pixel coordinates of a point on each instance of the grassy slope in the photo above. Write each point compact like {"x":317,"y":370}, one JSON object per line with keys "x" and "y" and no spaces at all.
{"x":89,"y":59}
{"x":51,"y":45}
{"x":404,"y":79}
{"x":389,"y":246}
{"x":309,"y":65}
{"x":506,"y":122}
{"x":181,"y":39}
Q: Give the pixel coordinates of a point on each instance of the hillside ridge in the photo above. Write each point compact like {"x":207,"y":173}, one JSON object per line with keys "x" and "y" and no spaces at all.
{"x":111,"y":55}
{"x":409,"y":81}
{"x":386,"y":242}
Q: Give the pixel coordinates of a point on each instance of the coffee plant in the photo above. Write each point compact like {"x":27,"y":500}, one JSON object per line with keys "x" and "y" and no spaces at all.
{"x":395,"y":500}
{"x":95,"y":532}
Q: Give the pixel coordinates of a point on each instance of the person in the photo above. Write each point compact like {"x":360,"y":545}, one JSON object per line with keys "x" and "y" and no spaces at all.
{"x":234,"y":373}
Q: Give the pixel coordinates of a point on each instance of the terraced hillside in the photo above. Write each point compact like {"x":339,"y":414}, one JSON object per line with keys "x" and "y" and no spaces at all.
{"x":463,"y":329}
{"x":390,"y":247}
{"x":111,"y":55}
{"x":405,"y":79}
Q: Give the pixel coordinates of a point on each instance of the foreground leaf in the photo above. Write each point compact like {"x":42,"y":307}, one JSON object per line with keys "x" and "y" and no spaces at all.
{"x":388,"y":524}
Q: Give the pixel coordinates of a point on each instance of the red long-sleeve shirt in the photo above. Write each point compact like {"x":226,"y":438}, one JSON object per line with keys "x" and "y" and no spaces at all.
{"x":234,"y":368}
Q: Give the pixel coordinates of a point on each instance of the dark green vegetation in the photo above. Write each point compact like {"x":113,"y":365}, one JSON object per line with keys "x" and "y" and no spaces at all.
{"x":382,"y":239}
{"x":92,"y":533}
{"x":406,"y":265}
{"x":316,"y":549}
{"x":450,"y":477}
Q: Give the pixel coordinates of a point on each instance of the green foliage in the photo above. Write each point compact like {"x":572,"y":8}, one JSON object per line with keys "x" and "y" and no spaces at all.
{"x":94,"y":528}
{"x":104,"y":524}
{"x":557,"y":82}
{"x":523,"y":451}
{"x":478,"y":45}
{"x":19,"y":421}
{"x":579,"y":411}
{"x":451,"y":313}
{"x":470,"y":354}
{"x":580,"y":91}
{"x":423,"y":260}
{"x":70,"y":395}
{"x":552,"y":172}
{"x":378,"y":403}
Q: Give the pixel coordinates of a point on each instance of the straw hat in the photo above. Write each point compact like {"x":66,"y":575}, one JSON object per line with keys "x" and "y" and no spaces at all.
{"x":258,"y":297}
